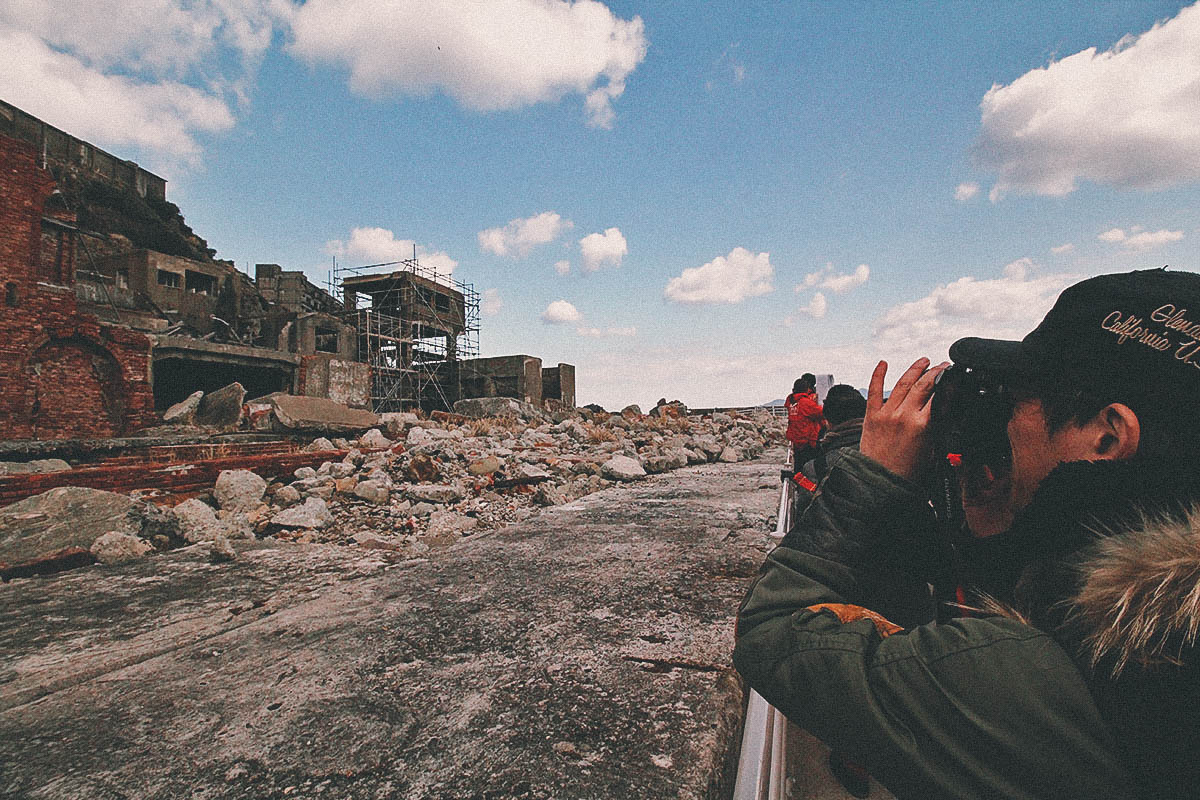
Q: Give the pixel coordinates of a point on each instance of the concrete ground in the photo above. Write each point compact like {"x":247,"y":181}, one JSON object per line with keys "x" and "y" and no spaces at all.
{"x":583,"y":653}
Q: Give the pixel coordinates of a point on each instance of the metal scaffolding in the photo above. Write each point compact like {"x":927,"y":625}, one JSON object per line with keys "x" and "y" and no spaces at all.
{"x":412,"y":330}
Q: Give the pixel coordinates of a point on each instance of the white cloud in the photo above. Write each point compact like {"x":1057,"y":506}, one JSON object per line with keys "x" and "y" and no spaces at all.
{"x":965,"y":191}
{"x":1007,"y":307}
{"x":379,"y":245}
{"x":725,"y":279}
{"x":113,"y":111}
{"x":500,"y":54}
{"x":701,"y":374}
{"x":492,"y":303}
{"x":598,"y":249}
{"x":562,"y":267}
{"x":520,"y":236}
{"x":1138,"y":239}
{"x":604,"y":332}
{"x":1062,"y":248}
{"x":816,"y":307}
{"x":1113,"y":236}
{"x":560,"y":312}
{"x":152,"y":74}
{"x":1124,"y":117}
{"x":826,"y":278}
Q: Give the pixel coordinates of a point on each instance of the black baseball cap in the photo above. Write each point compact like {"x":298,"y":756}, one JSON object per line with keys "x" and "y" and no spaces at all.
{"x":1133,"y":336}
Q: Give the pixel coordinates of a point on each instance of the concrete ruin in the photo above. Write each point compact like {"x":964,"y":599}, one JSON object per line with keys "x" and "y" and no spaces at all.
{"x":114,"y":310}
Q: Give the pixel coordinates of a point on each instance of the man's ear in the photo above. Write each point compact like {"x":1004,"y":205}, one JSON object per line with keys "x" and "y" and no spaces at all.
{"x":1114,"y":433}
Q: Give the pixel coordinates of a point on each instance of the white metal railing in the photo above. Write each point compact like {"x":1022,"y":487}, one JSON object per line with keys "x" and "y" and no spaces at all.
{"x":762,"y":765}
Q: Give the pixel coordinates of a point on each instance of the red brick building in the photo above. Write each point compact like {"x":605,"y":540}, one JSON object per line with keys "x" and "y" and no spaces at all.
{"x":63,"y":373}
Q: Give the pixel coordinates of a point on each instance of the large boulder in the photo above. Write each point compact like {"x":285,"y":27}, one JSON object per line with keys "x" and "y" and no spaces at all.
{"x":622,"y":468}
{"x":313,"y":514}
{"x":318,"y":415}
{"x":222,"y":409}
{"x":198,"y":521}
{"x":184,"y":412}
{"x":479,"y":407}
{"x":62,"y":518}
{"x":239,"y":490}
{"x":38,"y":466}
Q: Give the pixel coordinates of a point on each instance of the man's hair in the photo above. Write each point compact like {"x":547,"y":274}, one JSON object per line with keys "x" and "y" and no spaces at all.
{"x":844,"y":402}
{"x":806,"y":382}
{"x":1163,"y":430}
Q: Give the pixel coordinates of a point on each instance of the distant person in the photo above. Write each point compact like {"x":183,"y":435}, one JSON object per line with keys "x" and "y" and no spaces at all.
{"x":805,"y":419}
{"x":843,"y":411}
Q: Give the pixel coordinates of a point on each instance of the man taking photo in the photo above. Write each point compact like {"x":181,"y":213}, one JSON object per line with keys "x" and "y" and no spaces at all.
{"x":1072,"y":670}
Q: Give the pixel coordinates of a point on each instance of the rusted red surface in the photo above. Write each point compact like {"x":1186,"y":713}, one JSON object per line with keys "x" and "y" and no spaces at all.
{"x":165,"y":470}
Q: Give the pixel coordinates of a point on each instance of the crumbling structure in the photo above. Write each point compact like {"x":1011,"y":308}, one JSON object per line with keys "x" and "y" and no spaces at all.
{"x":114,"y":310}
{"x":413,"y":328}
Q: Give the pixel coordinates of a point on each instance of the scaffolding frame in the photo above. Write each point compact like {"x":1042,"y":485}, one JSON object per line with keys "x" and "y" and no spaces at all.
{"x":412,"y":365}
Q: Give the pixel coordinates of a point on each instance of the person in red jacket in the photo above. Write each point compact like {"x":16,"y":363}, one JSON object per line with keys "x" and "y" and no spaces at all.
{"x":805,"y":419}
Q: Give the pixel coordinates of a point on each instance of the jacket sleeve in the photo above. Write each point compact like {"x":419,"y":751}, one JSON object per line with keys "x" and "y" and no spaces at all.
{"x":980,"y":707}
{"x":809,"y":407}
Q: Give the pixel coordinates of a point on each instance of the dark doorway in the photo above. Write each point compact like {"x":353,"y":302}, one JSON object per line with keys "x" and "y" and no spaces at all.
{"x":176,"y":378}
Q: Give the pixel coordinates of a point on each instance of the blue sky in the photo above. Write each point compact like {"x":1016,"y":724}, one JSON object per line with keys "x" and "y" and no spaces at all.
{"x":691,"y":200}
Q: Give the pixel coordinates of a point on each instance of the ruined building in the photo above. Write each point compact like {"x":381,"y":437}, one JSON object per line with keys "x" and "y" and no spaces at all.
{"x":114,"y":310}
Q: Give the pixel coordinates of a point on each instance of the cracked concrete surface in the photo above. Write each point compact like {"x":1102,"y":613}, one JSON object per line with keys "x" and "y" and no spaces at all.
{"x":583,"y":653}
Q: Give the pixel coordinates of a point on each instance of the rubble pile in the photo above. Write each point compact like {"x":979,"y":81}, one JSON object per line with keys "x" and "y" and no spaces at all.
{"x":414,"y":484}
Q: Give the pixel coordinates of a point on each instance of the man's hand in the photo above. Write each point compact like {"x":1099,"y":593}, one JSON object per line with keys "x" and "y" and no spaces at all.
{"x":894,"y":433}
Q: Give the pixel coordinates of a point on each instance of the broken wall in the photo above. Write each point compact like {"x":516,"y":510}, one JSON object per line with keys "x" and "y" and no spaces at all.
{"x":558,"y":385}
{"x":63,"y":373}
{"x":345,"y":382}
{"x":517,"y":376}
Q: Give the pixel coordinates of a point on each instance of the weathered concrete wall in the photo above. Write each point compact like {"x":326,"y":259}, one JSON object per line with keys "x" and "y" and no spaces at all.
{"x":63,"y":374}
{"x":558,"y":384}
{"x":345,"y":382}
{"x":517,"y":376}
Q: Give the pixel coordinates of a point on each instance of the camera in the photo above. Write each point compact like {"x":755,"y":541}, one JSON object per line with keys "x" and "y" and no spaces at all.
{"x":969,"y":418}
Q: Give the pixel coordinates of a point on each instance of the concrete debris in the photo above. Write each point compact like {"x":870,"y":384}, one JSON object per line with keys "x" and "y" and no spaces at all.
{"x":454,"y":475}
{"x":485,"y":466}
{"x":318,"y":415}
{"x":482,"y":407}
{"x":435,"y":493}
{"x":118,"y":547}
{"x":239,"y":490}
{"x":184,"y":412}
{"x":622,"y":468}
{"x":374,"y":440}
{"x":633,"y":410}
{"x":313,"y":514}
{"x":38,"y":466}
{"x":222,"y":409}
{"x":61,"y":518}
{"x":373,"y":492}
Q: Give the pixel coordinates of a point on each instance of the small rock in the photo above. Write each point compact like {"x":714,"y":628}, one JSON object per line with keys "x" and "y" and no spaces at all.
{"x":221,"y":551}
{"x":622,"y":468}
{"x":373,"y":492}
{"x":198,"y":521}
{"x":287,"y":496}
{"x":730,"y":455}
{"x":320,"y":444}
{"x":374,"y":440}
{"x":421,"y":467}
{"x":304,"y":473}
{"x":118,"y":547}
{"x":435,"y":493}
{"x":632,"y":410}
{"x":345,"y":485}
{"x":485,"y":466}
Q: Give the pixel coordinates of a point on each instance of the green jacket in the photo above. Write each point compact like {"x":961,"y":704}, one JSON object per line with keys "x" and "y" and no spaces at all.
{"x":985,"y":707}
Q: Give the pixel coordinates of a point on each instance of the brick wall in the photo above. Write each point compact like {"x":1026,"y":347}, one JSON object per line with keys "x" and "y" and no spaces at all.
{"x":63,"y":374}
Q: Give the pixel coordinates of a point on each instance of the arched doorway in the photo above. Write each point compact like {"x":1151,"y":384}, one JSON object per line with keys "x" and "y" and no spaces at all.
{"x":76,"y":390}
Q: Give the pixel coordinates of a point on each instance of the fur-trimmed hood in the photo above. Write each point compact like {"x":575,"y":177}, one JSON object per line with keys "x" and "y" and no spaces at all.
{"x":1138,"y":601}
{"x":1107,"y":556}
